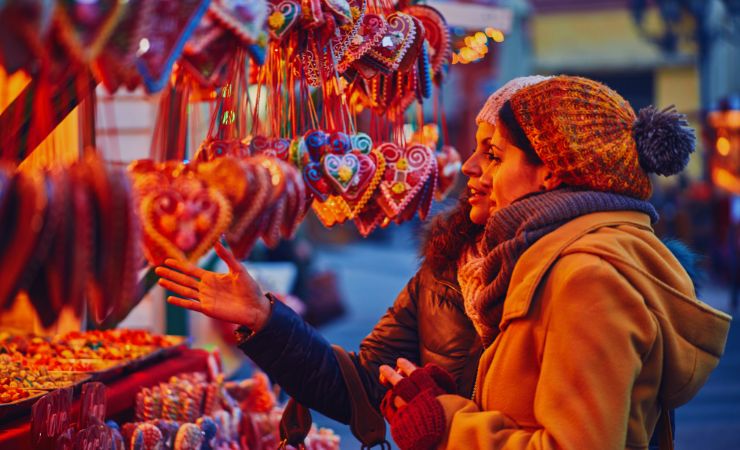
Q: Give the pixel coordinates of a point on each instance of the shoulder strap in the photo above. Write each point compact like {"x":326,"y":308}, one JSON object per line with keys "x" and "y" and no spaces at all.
{"x":295,"y":424}
{"x":665,"y":441}
{"x":366,"y":423}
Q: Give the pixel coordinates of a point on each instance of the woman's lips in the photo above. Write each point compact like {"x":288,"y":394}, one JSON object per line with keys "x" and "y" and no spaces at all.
{"x":475,"y":196}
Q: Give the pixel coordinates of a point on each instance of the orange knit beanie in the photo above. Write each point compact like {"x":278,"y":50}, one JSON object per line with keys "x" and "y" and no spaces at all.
{"x":589,"y":136}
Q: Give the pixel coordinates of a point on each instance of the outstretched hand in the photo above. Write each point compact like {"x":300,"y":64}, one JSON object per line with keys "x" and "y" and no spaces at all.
{"x":233,"y":297}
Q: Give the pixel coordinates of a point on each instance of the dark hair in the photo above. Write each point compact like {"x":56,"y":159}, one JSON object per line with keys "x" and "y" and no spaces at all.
{"x":448,"y":236}
{"x":514,"y":132}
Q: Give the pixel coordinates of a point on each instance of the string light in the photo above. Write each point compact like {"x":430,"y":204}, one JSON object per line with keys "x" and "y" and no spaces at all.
{"x":476,"y":46}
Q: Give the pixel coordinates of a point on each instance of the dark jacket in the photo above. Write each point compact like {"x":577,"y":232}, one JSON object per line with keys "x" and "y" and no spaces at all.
{"x":426,"y":324}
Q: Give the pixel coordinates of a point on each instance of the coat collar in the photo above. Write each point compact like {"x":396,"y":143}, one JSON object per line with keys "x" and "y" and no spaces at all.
{"x":537,"y":260}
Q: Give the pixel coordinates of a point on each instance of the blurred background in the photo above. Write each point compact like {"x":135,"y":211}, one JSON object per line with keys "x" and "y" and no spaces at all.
{"x":661,"y":52}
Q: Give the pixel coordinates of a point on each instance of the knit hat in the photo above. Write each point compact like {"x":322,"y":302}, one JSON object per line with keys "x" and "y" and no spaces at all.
{"x":589,"y":136}
{"x":489,"y":112}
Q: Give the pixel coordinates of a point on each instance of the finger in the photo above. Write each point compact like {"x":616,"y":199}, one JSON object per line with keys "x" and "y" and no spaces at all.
{"x":398,"y":402}
{"x":178,"y":289}
{"x":177,"y":277}
{"x":229,"y":258}
{"x":185,"y":267}
{"x":406,"y":367}
{"x":390,"y":375}
{"x":192,"y":305}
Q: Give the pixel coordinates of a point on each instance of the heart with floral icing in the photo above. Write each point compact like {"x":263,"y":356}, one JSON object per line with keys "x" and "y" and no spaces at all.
{"x":183,"y":220}
{"x":393,"y":48}
{"x":281,"y":17}
{"x":371,"y":30}
{"x":372,"y":169}
{"x":407,"y":171}
{"x":340,"y":171}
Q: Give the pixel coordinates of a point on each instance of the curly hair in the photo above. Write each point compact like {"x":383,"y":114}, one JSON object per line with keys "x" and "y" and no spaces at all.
{"x":448,"y":235}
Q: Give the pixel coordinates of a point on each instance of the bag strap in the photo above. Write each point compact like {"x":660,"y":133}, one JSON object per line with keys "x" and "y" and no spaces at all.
{"x":295,"y":424}
{"x":366,"y":422}
{"x":665,"y":441}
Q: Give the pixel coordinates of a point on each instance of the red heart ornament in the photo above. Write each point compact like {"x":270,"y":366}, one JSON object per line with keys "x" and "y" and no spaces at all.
{"x":449,"y":164}
{"x":393,"y":48}
{"x":281,"y":17}
{"x":183,"y":220}
{"x":241,"y":236}
{"x":313,"y":175}
{"x":437,"y":34}
{"x":164,"y":42}
{"x":85,"y":27}
{"x":116,"y":63}
{"x":369,"y":218}
{"x":406,"y":173}
{"x":371,"y":30}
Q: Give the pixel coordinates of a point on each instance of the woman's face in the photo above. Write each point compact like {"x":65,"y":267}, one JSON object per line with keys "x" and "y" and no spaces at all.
{"x":510,"y":174}
{"x":479,"y":188}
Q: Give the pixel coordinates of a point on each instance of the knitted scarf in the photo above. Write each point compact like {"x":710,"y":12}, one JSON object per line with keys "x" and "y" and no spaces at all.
{"x":484,"y":276}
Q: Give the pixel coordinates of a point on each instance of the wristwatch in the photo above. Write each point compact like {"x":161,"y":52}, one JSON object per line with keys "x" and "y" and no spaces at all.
{"x":244,"y":333}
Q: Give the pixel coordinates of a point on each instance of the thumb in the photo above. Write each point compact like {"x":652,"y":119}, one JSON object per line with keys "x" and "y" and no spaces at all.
{"x":225,"y":254}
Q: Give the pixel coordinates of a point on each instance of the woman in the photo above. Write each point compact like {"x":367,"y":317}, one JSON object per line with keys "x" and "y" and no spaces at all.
{"x":591,"y":327}
{"x":426,"y":324}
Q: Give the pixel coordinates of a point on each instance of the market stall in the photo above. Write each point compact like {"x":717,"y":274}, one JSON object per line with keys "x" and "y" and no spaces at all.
{"x":317,"y":106}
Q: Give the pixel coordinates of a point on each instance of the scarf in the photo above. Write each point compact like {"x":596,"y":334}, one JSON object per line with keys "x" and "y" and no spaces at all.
{"x":484,"y":271}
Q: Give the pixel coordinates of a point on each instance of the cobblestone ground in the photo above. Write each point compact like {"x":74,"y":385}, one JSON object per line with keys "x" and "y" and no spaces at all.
{"x":372,"y":273}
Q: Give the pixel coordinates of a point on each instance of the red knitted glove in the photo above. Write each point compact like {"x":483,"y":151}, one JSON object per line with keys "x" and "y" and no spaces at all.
{"x":420,"y":425}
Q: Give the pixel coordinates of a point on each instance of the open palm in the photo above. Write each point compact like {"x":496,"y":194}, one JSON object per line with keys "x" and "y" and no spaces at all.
{"x":233,"y":296}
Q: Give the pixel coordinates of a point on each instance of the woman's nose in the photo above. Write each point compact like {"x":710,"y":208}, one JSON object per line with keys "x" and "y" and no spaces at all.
{"x":471,"y":167}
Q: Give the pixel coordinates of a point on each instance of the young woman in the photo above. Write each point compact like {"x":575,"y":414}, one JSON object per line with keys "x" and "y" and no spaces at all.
{"x":591,"y":327}
{"x":426,"y":324}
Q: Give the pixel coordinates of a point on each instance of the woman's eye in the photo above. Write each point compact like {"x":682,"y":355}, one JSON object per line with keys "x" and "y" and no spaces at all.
{"x":492,"y":157}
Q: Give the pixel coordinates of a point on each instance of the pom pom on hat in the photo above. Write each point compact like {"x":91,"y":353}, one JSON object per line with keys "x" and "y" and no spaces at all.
{"x":489,"y":112}
{"x":664,"y":140}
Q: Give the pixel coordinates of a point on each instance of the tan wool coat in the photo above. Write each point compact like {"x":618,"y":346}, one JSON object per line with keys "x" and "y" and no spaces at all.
{"x":601,"y":329}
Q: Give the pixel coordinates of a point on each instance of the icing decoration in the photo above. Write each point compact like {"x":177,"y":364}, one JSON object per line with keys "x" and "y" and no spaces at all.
{"x":406,"y":173}
{"x":281,"y":17}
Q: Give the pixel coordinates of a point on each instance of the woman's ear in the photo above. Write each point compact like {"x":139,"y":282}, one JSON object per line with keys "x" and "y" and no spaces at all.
{"x":550,"y":181}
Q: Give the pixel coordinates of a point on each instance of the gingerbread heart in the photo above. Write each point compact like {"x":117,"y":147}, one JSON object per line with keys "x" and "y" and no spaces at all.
{"x":244,"y":18}
{"x":163,"y":44}
{"x":339,"y":143}
{"x":340,"y":171}
{"x":436,"y":33}
{"x":369,"y":218}
{"x":316,"y":142}
{"x":394,"y":47}
{"x":449,"y":164}
{"x":86,"y":27}
{"x":240,"y":236}
{"x":313,"y":175}
{"x":23,"y":218}
{"x":208,"y":67}
{"x":281,"y":17}
{"x":407,"y":171}
{"x":370,"y":32}
{"x":115,"y":64}
{"x":372,"y":169}
{"x":116,"y":258}
{"x":183,"y":220}
{"x":368,"y":167}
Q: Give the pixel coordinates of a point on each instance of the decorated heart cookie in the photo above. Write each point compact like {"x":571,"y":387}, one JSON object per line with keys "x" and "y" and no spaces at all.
{"x":340,"y":171}
{"x":371,"y":30}
{"x":162,"y":45}
{"x":407,"y":171}
{"x":183,"y":220}
{"x":281,"y":17}
{"x":244,"y":18}
{"x":436,"y":33}
{"x":394,"y":48}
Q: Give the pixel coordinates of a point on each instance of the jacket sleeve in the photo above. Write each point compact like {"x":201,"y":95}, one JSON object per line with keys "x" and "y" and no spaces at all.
{"x":597,"y":332}
{"x":303,"y":363}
